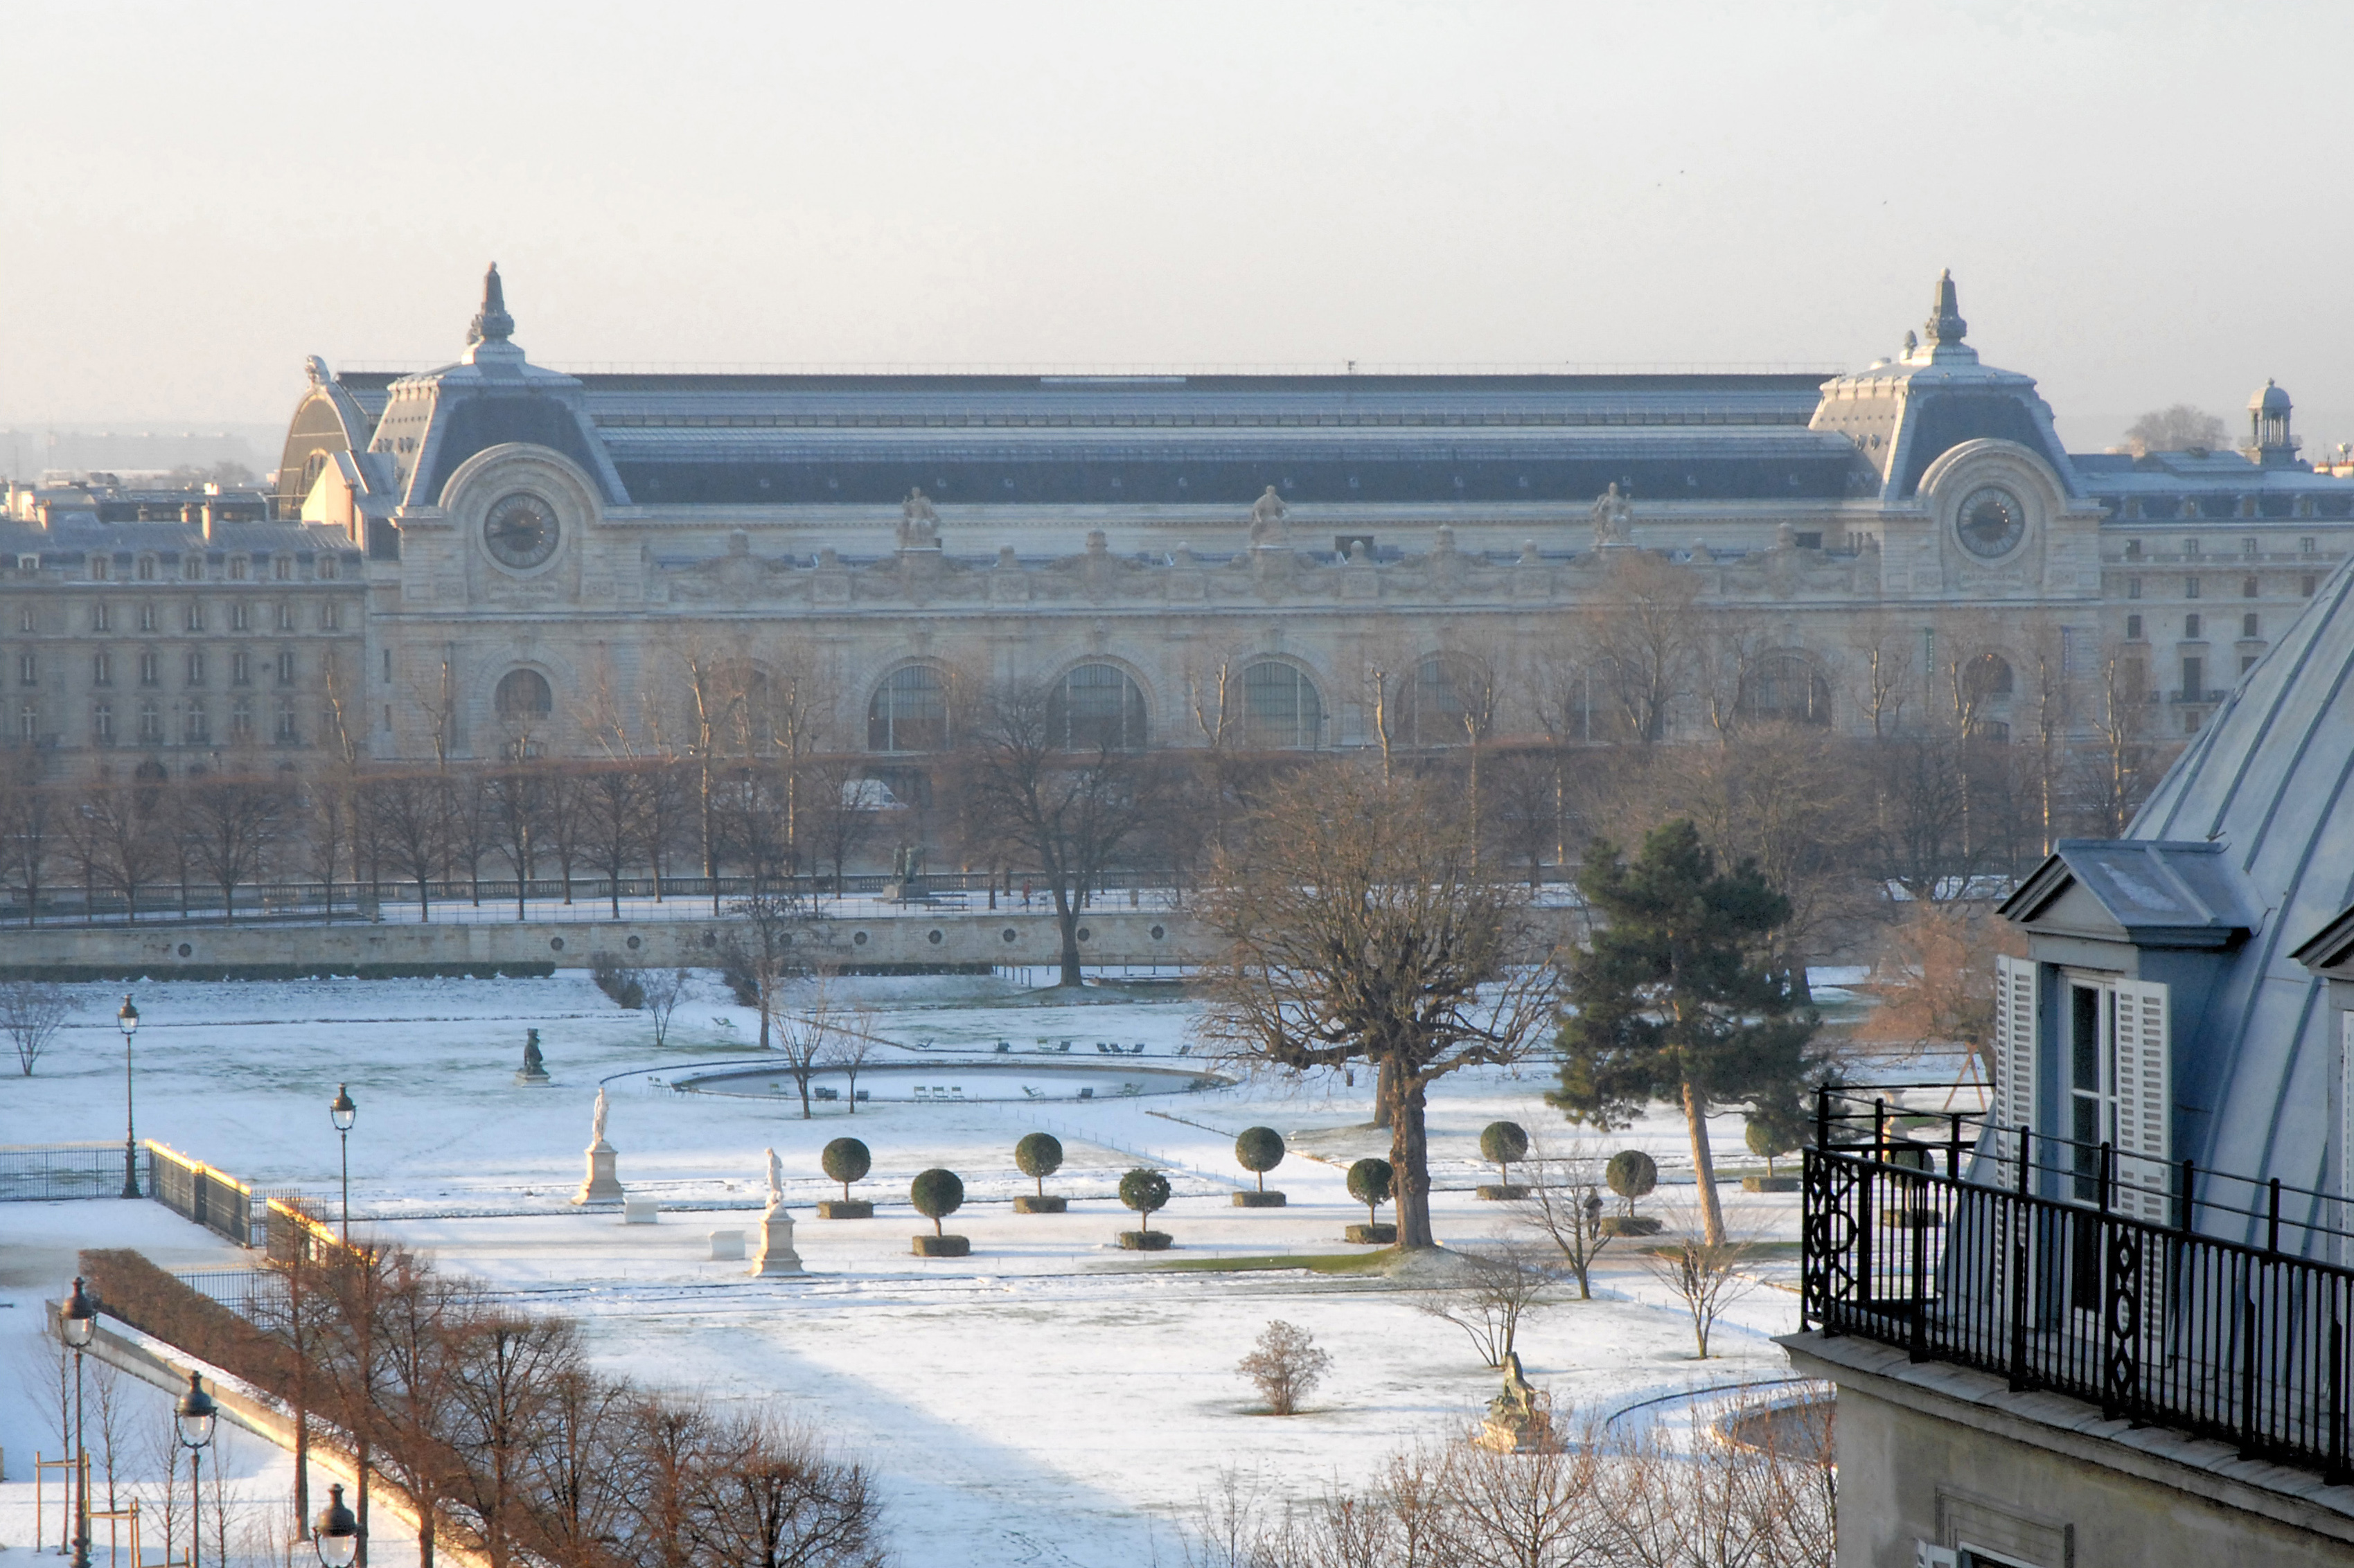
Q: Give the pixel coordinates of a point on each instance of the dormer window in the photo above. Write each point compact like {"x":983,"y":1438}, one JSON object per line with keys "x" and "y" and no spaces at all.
{"x":98,"y":565}
{"x":2189,"y":549}
{"x":238,"y":568}
{"x":326,"y":568}
{"x":2133,"y":549}
{"x":192,"y":567}
{"x":283,"y":568}
{"x":146,"y":569}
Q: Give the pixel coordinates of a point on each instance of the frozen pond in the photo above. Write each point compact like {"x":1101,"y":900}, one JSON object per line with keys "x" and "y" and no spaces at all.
{"x":956,"y":1080}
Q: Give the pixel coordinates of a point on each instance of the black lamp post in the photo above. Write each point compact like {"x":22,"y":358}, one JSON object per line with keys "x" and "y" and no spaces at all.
{"x":128,"y":1019}
{"x":77,"y":1322}
{"x":345,"y":1113}
{"x":336,"y":1537}
{"x":195,"y":1417}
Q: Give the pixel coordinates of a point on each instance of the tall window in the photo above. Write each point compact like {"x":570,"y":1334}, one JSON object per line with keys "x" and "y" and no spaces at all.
{"x":326,"y":568}
{"x":240,"y":668}
{"x":283,"y":568}
{"x":286,"y":666}
{"x":28,"y":668}
{"x":147,"y":617}
{"x":28,"y":722}
{"x":909,"y":712}
{"x":240,"y":719}
{"x":524,"y":694}
{"x":195,"y":618}
{"x":2194,"y":679}
{"x":150,"y":668}
{"x":330,"y":616}
{"x":151,"y":724}
{"x":98,"y":616}
{"x":1097,"y":707}
{"x":1786,"y":687}
{"x":285,"y":616}
{"x":286,"y":731}
{"x":240,"y":618}
{"x":101,"y":724}
{"x":192,"y":566}
{"x":1281,"y":710}
{"x":237,"y":568}
{"x":101,"y":668}
{"x":146,"y":569}
{"x":195,"y":725}
{"x":196,"y":667}
{"x":98,"y":568}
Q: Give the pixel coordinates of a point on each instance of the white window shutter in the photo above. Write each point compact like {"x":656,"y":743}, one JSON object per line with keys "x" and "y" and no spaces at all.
{"x":2145,"y":1084}
{"x":2016,"y":1042}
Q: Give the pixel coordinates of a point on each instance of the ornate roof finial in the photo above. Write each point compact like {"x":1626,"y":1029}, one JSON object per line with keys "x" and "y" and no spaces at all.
{"x":1946,"y":324}
{"x":492,"y":322}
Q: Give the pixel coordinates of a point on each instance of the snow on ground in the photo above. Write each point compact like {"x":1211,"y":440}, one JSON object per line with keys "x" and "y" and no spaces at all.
{"x":1048,"y":1400}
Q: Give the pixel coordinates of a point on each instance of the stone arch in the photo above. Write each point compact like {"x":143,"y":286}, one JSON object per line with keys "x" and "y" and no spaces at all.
{"x":1283,"y":706}
{"x":1097,"y":703}
{"x":523,"y":695}
{"x":908,"y":710}
{"x":1785,"y":685}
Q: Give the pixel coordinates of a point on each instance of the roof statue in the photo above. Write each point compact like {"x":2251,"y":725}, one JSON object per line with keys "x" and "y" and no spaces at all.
{"x":1613,"y":518}
{"x":920,"y":523}
{"x":1267,"y":515}
{"x":316,"y":369}
{"x":492,"y":324}
{"x":1946,"y":324}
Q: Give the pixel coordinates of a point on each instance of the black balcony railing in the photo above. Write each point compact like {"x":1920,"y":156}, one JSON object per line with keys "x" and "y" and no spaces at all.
{"x":2039,"y":1261}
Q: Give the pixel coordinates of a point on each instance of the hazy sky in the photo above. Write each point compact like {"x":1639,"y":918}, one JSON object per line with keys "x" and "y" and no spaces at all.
{"x":2141,"y":202}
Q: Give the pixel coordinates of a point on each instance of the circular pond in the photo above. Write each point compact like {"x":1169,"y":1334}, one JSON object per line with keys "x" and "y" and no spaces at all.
{"x":954,"y":1083}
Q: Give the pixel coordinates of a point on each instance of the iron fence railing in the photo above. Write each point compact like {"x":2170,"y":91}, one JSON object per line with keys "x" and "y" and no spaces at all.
{"x":1985,"y":1252}
{"x":40,"y":1172}
{"x":211,"y":1197}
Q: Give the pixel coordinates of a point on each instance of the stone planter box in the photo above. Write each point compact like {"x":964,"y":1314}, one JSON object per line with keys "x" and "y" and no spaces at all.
{"x":1031,"y":1204}
{"x":1629,"y":1225}
{"x":1769,"y":1183}
{"x":1146,"y":1241}
{"x":1255,"y":1200}
{"x":1371,"y":1236}
{"x":943,"y":1247}
{"x":1499,"y":1192}
{"x":845,"y":1209}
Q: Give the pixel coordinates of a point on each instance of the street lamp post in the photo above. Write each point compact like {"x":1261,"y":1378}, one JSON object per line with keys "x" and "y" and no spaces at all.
{"x":195,"y":1419}
{"x":77,"y":1322}
{"x":336,"y":1537}
{"x":344,"y":1113}
{"x":128,"y":1019}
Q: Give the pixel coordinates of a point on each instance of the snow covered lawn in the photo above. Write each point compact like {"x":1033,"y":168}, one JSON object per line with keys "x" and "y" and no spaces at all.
{"x":1048,"y":1400}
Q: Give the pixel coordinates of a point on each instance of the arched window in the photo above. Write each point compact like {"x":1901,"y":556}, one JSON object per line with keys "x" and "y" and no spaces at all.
{"x":1785,"y":688}
{"x":1441,"y":705}
{"x":524,"y":694}
{"x":909,"y":712}
{"x":1281,"y":710}
{"x":1986,"y":676}
{"x":1097,"y":707}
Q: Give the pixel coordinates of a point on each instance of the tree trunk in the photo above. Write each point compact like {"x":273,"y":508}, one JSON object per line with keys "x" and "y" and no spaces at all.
{"x":1409,"y":1159}
{"x":424,"y":1532}
{"x":360,"y":1476}
{"x":1703,"y":1166}
{"x":1385,"y":1090}
{"x":1067,"y":921}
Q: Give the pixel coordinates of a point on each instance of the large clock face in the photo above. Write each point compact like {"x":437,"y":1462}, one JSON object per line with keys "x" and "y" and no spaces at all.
{"x":1992,"y":522}
{"x":520,"y":530}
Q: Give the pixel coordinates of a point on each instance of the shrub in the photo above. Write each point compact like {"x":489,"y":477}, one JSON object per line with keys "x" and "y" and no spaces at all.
{"x":1769,"y":1139}
{"x":1259,"y":1150}
{"x":845,"y":1160}
{"x":1144,"y":1189}
{"x":937,"y":1193}
{"x":1038,"y":1156}
{"x":1632,"y":1174}
{"x":1502,"y":1143}
{"x":1286,"y":1365}
{"x":126,"y":1285}
{"x":619,"y":984}
{"x":1371,"y":1182}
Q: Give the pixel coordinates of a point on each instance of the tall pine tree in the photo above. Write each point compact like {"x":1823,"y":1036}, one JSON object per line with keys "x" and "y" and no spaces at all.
{"x":1672,"y":1001}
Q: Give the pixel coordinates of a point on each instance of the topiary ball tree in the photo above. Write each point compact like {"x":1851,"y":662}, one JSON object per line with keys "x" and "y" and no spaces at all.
{"x":1632,"y":1174}
{"x":1502,"y":1143}
{"x":1144,"y":1189}
{"x":1038,"y":1156}
{"x":1769,"y":1139}
{"x":1371,"y":1182}
{"x":936,"y":1195}
{"x":1259,"y":1150}
{"x":845,"y":1160}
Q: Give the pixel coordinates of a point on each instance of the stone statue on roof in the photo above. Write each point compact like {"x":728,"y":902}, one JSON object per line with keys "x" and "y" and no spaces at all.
{"x":492,"y":324}
{"x":1267,"y":515}
{"x":1613,"y":518}
{"x":920,"y":523}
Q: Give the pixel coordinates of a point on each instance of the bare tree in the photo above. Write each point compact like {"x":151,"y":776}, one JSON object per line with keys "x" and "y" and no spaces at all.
{"x":1564,"y":1206}
{"x":509,"y":1368}
{"x":808,"y":1027}
{"x":31,"y":1012}
{"x":663,"y":990}
{"x":1704,"y":1275}
{"x":775,"y":1499}
{"x":1038,"y":789}
{"x":1494,"y":1291}
{"x":853,"y":1046}
{"x":28,"y":828}
{"x":1357,"y":925}
{"x":1640,"y":641}
{"x":774,"y":923}
{"x":2177,"y":427}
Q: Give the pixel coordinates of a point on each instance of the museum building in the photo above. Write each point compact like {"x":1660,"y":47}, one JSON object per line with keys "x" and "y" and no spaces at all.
{"x":494,"y":557}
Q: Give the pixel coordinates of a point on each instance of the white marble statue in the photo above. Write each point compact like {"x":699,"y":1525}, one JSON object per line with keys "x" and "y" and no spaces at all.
{"x":1613,"y":518}
{"x":776,"y":1180}
{"x":597,"y":1120}
{"x":1267,"y":515}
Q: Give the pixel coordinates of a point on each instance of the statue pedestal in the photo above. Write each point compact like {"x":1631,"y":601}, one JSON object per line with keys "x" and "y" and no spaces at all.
{"x":527,"y":1079}
{"x":601,"y":1185}
{"x":777,"y":1254}
{"x":1517,"y":1433}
